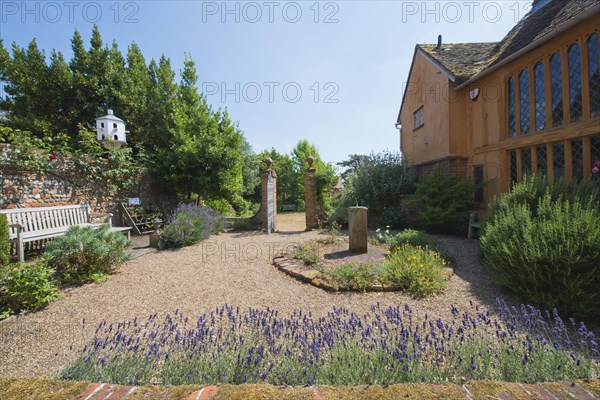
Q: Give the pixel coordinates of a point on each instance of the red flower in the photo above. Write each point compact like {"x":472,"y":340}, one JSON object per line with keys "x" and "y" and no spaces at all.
{"x":597,"y":164}
{"x":52,"y":157}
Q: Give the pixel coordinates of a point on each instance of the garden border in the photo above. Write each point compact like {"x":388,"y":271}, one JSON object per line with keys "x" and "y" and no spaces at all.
{"x":297,"y":269}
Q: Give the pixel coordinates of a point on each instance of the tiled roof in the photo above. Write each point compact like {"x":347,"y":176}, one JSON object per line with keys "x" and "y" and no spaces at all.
{"x":462,"y":60}
{"x":535,"y":25}
{"x":465,"y":60}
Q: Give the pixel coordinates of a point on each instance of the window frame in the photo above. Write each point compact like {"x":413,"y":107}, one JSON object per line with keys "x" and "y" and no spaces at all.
{"x":418,"y":118}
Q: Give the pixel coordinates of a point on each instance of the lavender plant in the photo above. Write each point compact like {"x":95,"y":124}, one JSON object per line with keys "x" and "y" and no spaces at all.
{"x":189,"y":224}
{"x":384,"y":346}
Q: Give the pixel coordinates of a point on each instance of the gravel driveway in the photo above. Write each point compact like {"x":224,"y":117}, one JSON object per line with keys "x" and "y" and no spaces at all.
{"x":233,"y":268}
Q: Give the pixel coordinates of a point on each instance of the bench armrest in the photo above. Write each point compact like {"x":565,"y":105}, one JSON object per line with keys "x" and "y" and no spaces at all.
{"x":18,"y":226}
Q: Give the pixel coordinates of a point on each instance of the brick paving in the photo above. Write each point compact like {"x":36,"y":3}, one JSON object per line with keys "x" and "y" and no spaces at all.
{"x":60,"y":390}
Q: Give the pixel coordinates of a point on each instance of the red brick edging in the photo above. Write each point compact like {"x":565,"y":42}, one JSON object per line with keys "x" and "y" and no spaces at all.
{"x":64,"y":390}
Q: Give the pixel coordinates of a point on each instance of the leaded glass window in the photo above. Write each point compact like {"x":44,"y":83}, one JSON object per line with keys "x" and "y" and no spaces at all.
{"x":595,"y":157}
{"x":593,"y":46}
{"x":542,"y":160}
{"x":513,"y":167}
{"x":418,"y":117}
{"x":512,"y":116}
{"x":557,"y":89}
{"x":524,"y":101}
{"x":577,"y":159}
{"x":478,"y":178}
{"x":575,"y":100}
{"x":540,"y":97}
{"x":525,"y":162}
{"x":558,"y":153}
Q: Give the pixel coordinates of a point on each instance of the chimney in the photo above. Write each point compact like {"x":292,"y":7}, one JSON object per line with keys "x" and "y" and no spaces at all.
{"x":439,"y":45}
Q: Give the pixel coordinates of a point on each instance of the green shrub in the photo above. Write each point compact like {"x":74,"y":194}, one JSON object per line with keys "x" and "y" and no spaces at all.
{"x":339,"y":215}
{"x":25,"y":287}
{"x":307,"y":253}
{"x":243,"y":224}
{"x":84,"y":254}
{"x":442,"y":203}
{"x":532,"y":189}
{"x":376,"y":181}
{"x":418,"y":270}
{"x":394,"y":217}
{"x":419,"y":238}
{"x":221,"y":206}
{"x":242,"y":206}
{"x":4,"y":241}
{"x":355,"y":275}
{"x":190,"y":224}
{"x":545,"y":247}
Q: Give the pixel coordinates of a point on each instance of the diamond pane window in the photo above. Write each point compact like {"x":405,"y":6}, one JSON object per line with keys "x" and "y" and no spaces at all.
{"x":542,"y":160}
{"x":595,"y":157}
{"x":557,"y":89}
{"x":524,"y":101}
{"x":575,"y":100}
{"x":478,"y":180}
{"x":593,"y":46}
{"x":540,"y":97}
{"x":512,"y":116}
{"x":418,"y":116}
{"x":577,"y":157}
{"x":525,"y":162}
{"x":513,"y":167}
{"x":558,"y":153}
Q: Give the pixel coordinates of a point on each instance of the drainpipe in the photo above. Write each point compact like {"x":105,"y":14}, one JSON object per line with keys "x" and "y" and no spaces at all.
{"x":398,"y":126}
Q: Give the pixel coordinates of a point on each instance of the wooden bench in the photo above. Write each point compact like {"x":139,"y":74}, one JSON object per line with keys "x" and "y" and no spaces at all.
{"x":472,"y":225}
{"x":33,"y":224}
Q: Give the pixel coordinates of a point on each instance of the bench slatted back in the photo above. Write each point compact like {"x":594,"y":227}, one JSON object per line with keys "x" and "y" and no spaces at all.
{"x":44,"y":218}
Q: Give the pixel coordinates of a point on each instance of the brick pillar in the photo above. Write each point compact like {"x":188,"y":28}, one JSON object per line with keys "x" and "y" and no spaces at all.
{"x":310,"y":197}
{"x":263,"y":204}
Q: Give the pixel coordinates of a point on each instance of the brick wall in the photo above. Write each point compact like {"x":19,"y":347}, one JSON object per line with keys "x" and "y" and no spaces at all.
{"x":450,"y":166}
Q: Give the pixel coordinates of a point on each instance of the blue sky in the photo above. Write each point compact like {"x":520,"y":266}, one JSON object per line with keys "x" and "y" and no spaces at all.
{"x":329,"y":71}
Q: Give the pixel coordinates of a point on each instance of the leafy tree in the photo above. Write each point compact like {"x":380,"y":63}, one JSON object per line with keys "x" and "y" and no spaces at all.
{"x":325,"y":174}
{"x":287,"y":189}
{"x":25,"y":80}
{"x":204,"y":152}
{"x":135,"y":96}
{"x":186,"y":145}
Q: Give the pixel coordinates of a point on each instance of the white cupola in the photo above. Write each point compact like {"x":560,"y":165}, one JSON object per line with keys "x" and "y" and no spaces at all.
{"x":111,"y":130}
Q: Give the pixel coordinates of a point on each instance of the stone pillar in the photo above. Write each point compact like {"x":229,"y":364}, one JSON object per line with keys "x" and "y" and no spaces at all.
{"x":262,"y":213}
{"x":357,"y":227}
{"x":311,"y":207}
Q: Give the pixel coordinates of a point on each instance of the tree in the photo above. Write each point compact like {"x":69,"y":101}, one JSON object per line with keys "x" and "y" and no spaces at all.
{"x":135,"y":96}
{"x":24,"y":82}
{"x":173,"y":130}
{"x":325,"y":174}
{"x":287,"y":189}
{"x":204,"y":151}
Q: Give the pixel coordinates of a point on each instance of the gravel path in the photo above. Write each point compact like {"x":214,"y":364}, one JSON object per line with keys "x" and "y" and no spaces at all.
{"x":233,"y":268}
